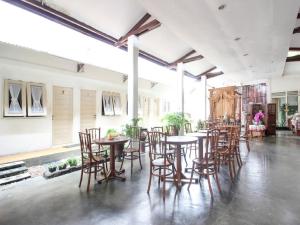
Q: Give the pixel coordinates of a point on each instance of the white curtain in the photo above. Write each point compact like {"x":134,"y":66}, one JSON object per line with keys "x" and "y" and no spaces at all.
{"x":107,"y":104}
{"x":117,"y":104}
{"x":36,"y":93}
{"x":14,"y":90}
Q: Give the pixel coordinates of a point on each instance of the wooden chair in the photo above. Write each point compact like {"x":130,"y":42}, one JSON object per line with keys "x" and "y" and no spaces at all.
{"x":226,"y":154}
{"x":161,"y":164}
{"x":97,"y":149}
{"x":91,"y":163}
{"x":158,"y":129}
{"x":245,"y":136}
{"x":133,"y":150}
{"x":191,"y":147}
{"x":208,"y":166}
{"x":172,"y":130}
{"x":188,"y":128}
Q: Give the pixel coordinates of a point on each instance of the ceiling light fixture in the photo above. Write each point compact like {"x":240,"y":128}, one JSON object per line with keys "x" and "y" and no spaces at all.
{"x":245,"y":54}
{"x":221,"y":7}
{"x":237,"y":39}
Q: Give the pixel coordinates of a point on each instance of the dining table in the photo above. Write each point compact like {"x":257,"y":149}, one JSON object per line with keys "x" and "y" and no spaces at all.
{"x":113,"y":142}
{"x":178,"y":141}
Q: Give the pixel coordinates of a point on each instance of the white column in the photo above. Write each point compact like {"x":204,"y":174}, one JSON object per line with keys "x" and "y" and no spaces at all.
{"x":204,"y":94}
{"x":269,"y":93}
{"x":180,"y":88}
{"x":133,"y":53}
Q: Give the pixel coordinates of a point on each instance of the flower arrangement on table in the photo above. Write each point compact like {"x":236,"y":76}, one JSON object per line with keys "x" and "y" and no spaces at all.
{"x":258,"y":118}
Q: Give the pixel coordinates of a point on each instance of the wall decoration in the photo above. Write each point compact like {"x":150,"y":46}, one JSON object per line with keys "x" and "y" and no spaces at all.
{"x":14,"y":98}
{"x":116,"y":99}
{"x":36,"y":99}
{"x":107,"y":104}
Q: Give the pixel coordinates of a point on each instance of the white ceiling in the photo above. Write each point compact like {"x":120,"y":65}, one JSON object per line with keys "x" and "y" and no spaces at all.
{"x":116,"y":18}
{"x":264,"y":28}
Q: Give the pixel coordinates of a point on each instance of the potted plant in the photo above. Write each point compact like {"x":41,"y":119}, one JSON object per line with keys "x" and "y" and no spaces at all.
{"x":72,"y":162}
{"x":111,"y":133}
{"x":52,"y":168}
{"x":62,"y":166}
{"x":127,"y":129}
{"x":176,"y":119}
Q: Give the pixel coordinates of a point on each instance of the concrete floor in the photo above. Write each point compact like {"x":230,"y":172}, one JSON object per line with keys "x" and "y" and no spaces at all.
{"x":266,"y":191}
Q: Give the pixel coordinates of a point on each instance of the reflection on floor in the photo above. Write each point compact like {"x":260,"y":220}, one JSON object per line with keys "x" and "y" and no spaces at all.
{"x":266,"y":191}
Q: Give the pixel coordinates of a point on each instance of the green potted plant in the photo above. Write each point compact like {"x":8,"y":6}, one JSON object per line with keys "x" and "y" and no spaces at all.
{"x":72,"y":162}
{"x":52,"y":168}
{"x":127,"y":128}
{"x":111,"y":133}
{"x":176,"y":119}
{"x":62,"y":166}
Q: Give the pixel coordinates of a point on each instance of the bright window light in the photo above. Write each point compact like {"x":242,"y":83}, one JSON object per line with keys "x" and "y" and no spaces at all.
{"x":23,"y":28}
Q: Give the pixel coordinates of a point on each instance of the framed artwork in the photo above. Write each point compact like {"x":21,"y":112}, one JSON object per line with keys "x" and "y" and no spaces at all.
{"x":14,"y":98}
{"x":36,"y":99}
{"x":107,"y":104}
{"x":116,"y":98}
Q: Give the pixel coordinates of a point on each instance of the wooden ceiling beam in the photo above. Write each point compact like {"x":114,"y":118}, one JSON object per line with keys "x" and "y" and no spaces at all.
{"x":295,"y":58}
{"x":211,"y":75}
{"x":294,"y":49}
{"x":181,"y":59}
{"x":207,"y":71}
{"x":139,"y":29}
{"x":296,"y":30}
{"x":192,"y":59}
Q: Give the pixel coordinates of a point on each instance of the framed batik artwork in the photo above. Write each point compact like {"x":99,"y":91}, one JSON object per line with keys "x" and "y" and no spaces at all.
{"x":36,"y":99}
{"x":14,"y":98}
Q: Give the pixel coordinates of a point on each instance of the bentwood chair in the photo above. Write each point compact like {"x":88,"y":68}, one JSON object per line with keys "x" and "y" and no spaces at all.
{"x":208,"y":165}
{"x":95,"y":134}
{"x":191,"y":147}
{"x":161,"y":164}
{"x":133,"y":150}
{"x":91,"y":163}
{"x":158,"y":129}
{"x":226,"y":154}
{"x":245,"y":136}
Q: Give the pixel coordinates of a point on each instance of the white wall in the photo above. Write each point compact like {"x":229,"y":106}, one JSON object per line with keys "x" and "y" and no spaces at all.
{"x":27,"y":134}
{"x":285,"y":83}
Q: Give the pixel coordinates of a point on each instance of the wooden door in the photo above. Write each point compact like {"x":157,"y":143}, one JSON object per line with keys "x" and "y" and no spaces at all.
{"x":62,"y":120}
{"x":87,"y":109}
{"x":271,"y":119}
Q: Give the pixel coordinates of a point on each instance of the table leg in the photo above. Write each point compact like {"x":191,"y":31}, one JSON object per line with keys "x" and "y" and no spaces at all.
{"x":113,"y":174}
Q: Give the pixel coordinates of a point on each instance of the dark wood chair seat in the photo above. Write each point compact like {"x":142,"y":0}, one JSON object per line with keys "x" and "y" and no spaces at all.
{"x":160,"y":162}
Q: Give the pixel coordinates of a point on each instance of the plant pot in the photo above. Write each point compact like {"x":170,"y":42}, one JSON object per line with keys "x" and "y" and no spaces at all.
{"x":52,"y":169}
{"x":62,"y":167}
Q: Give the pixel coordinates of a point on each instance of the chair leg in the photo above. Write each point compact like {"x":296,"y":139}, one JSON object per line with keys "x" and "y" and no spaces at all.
{"x":131,"y":162}
{"x":104,"y":171}
{"x":159,"y":177}
{"x":164,"y":184}
{"x":230,"y":170}
{"x":217,"y":180}
{"x":193,"y":168}
{"x":89,"y":179}
{"x":81,"y":175}
{"x":150,"y":178}
{"x":140,"y":160}
{"x":248,"y":145}
{"x":184,"y":156}
{"x":233,"y":166}
{"x":123,"y":158}
{"x":209,"y":184}
{"x":95,"y":174}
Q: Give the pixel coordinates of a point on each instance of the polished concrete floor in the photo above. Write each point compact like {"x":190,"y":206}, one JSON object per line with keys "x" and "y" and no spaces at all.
{"x":266,"y":191}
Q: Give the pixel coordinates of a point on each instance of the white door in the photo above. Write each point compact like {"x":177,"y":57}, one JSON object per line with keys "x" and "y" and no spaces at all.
{"x":87,"y":109}
{"x":62,"y":120}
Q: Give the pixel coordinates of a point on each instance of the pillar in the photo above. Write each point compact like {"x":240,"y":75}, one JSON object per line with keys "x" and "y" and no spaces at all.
{"x":133,"y":54}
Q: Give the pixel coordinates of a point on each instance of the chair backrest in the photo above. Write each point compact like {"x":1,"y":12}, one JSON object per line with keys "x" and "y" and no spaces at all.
{"x":94,"y":133}
{"x":188,"y":128}
{"x":172,"y":130}
{"x":85,"y":146}
{"x":158,"y":129}
{"x":212,"y":140}
{"x":233,"y":137}
{"x":156,"y":147}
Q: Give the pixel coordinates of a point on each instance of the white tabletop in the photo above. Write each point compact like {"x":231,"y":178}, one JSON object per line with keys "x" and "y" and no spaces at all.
{"x":179,"y":140}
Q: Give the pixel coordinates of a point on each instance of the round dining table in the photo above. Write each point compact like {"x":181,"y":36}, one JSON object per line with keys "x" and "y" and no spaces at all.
{"x":178,"y":141}
{"x":200,"y":136}
{"x":113,"y":174}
